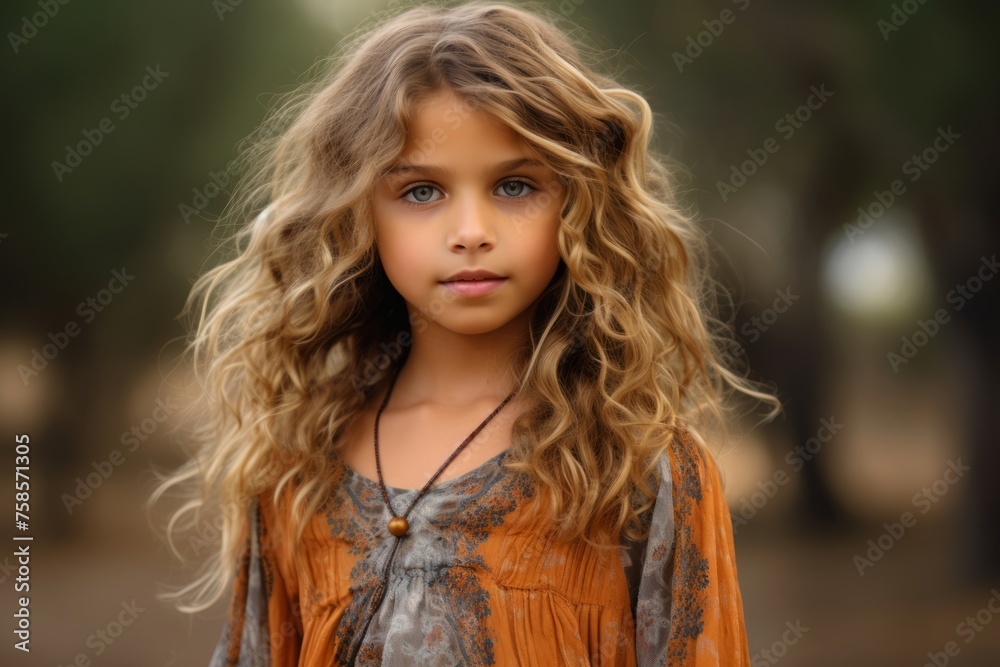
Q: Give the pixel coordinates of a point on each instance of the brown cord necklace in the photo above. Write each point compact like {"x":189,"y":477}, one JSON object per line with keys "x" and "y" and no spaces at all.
{"x":398,"y":525}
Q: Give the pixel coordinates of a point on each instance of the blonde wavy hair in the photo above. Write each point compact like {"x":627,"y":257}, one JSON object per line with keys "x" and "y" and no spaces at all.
{"x":626,"y":346}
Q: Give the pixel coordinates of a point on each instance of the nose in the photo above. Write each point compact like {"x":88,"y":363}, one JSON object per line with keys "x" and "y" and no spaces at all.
{"x":471,"y":226}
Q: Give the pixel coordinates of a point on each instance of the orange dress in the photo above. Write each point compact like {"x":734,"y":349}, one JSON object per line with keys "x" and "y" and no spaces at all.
{"x":474,"y":582}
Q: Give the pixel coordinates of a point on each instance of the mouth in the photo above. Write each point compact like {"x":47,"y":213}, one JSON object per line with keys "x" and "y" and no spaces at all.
{"x":472,"y":275}
{"x":473,"y":286}
{"x":473,"y":280}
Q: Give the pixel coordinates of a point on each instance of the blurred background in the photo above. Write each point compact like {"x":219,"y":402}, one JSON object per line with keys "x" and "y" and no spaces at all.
{"x":841,"y":157}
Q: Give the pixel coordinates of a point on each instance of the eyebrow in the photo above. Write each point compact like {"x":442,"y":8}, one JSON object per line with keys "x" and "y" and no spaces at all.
{"x":431,"y":169}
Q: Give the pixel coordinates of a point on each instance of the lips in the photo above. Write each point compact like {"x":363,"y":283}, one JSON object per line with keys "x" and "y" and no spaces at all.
{"x":474,"y":287}
{"x":472,"y":275}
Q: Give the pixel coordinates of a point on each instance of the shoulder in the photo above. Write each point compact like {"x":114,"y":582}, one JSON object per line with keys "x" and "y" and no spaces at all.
{"x":689,"y":497}
{"x":692,"y":468}
{"x":685,"y":468}
{"x":275,"y":531}
{"x":269,"y":516}
{"x":686,"y":484}
{"x":688,"y":604}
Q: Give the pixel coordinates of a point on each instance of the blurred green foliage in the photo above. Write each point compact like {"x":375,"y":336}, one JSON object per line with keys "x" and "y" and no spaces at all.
{"x":121,"y":205}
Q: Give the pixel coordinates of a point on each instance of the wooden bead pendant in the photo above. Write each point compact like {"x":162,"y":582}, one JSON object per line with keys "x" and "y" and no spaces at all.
{"x":398,"y":526}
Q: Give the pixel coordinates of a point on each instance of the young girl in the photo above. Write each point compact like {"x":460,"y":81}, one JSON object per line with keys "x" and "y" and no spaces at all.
{"x":459,"y":373}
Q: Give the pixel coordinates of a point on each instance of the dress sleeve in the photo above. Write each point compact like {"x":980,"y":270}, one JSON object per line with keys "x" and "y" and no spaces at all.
{"x":263,"y":625}
{"x":688,"y":608}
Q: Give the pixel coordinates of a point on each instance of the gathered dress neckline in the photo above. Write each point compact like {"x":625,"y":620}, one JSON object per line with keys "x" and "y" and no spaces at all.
{"x":396,"y":490}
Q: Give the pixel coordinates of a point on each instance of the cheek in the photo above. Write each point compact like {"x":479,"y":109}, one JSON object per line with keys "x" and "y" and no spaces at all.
{"x":396,"y":261}
{"x":387,"y":238}
{"x":404,"y":259}
{"x":544,"y":244}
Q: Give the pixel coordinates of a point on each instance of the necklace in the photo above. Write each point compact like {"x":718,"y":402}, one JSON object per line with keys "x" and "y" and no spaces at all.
{"x":398,"y":525}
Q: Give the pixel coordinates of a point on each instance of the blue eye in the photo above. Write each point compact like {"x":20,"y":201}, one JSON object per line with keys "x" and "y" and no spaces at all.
{"x":516,"y":183}
{"x":423,"y":192}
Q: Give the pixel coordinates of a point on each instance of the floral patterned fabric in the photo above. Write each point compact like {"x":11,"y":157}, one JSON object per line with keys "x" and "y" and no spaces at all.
{"x":475,"y":582}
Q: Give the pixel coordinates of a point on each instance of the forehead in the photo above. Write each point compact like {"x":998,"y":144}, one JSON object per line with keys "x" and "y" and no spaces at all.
{"x":445,"y":124}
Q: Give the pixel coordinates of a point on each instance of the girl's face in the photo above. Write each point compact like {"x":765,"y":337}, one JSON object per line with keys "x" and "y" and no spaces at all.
{"x":467,"y":194}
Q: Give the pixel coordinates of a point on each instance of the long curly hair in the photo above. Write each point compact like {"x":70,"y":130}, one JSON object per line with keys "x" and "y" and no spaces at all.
{"x":295,"y":332}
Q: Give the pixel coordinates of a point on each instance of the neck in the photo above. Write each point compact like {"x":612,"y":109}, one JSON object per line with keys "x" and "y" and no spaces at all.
{"x":455,"y":369}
